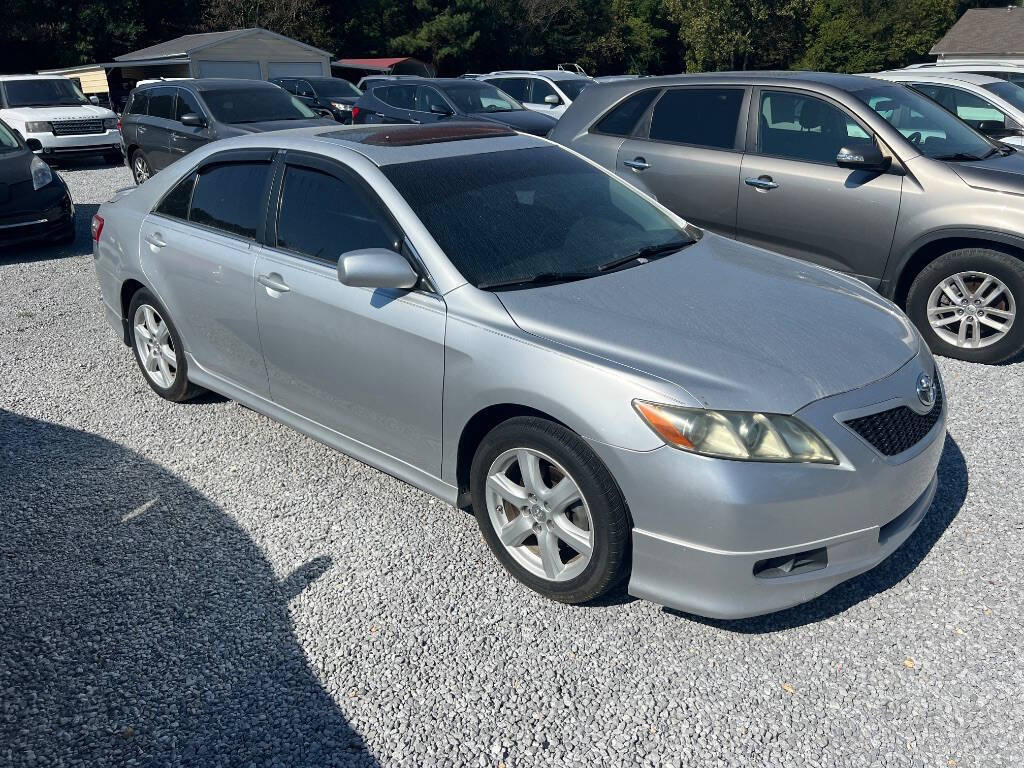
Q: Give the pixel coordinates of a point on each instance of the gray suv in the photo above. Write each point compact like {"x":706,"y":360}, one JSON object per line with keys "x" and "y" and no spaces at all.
{"x":869,"y":178}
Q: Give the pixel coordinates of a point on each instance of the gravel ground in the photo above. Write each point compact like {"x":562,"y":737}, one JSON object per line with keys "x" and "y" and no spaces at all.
{"x":198,"y":585}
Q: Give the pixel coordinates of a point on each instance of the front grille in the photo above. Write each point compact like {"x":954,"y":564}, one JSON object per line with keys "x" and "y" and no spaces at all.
{"x":75,"y":127}
{"x":899,"y":429}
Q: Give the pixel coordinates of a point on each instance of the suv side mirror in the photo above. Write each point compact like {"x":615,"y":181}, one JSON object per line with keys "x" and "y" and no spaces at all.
{"x":376,"y":268}
{"x":552,"y":99}
{"x":94,"y":100}
{"x":440,"y":109}
{"x":863,"y":158}
{"x":995,"y":128}
{"x":192,"y":120}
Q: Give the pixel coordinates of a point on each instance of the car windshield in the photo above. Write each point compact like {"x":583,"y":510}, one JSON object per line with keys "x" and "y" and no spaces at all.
{"x":7,"y":140}
{"x":475,"y":98}
{"x":573,"y":88}
{"x":1008,"y":92}
{"x":538,"y":214}
{"x":48,"y":92}
{"x":255,"y":105}
{"x":935,"y":132}
{"x":335,"y":86}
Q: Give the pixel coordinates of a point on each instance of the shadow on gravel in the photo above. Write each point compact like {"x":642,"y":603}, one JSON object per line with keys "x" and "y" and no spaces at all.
{"x":140,"y":625}
{"x":949,"y":498}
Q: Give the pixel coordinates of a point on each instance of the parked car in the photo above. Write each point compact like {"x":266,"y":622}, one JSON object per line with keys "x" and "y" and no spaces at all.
{"x":163,"y":121}
{"x":550,"y":91}
{"x":34,"y":201}
{"x":866,"y":177}
{"x":438,"y":99}
{"x":329,"y":94}
{"x":1004,"y":70}
{"x":56,"y":119}
{"x":503,"y":324}
{"x":990,"y":105}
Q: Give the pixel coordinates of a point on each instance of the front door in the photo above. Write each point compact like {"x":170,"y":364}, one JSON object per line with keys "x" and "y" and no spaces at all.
{"x":366,"y":363}
{"x":794,"y":199}
{"x":187,"y":138}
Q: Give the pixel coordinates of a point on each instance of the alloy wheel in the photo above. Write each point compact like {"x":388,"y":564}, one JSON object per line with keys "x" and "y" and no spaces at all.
{"x":539,"y":514}
{"x":155,"y":347}
{"x":141,"y":169}
{"x":971,"y":310}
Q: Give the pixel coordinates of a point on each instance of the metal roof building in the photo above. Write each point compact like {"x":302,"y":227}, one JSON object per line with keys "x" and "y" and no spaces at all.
{"x":984,"y":33}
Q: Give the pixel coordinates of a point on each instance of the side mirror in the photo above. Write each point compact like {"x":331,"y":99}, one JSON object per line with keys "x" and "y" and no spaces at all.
{"x":552,"y":99}
{"x":376,"y":268}
{"x":192,"y":120}
{"x":94,"y":100}
{"x":994,"y":128}
{"x":440,"y":109}
{"x":863,"y":158}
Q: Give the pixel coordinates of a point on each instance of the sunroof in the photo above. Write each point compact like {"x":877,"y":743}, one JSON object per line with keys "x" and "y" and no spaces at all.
{"x":411,"y":135}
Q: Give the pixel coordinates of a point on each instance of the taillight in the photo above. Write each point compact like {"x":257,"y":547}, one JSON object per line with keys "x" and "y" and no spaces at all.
{"x":355,"y":113}
{"x":119,"y":125}
{"x":97,"y":227}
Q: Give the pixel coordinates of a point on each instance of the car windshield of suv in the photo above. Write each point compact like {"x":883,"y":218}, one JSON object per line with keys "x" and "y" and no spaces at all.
{"x":475,"y":98}
{"x":935,"y":133}
{"x":255,"y":105}
{"x":335,"y":87}
{"x":533,"y":216}
{"x":7,"y":140}
{"x":43,"y":93}
{"x":573,"y":88}
{"x":1008,"y":92}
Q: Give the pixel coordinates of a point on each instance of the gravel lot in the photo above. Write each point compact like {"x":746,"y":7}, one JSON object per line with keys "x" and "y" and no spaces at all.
{"x":195,"y":584}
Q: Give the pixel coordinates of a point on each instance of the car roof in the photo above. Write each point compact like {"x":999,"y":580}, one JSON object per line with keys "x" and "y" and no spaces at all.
{"x":551,"y":74}
{"x":931,"y":74}
{"x":808,"y":79}
{"x":211,"y":83}
{"x":33,"y":77}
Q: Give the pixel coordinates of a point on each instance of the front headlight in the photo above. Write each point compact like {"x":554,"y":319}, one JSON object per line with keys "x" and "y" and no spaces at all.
{"x":341,"y":107}
{"x":735,"y":434}
{"x":41,"y":174}
{"x":109,"y":123}
{"x":38,"y":127}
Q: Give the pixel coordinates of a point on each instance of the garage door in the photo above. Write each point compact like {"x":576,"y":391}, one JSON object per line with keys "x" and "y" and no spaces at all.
{"x":246,"y":69}
{"x":295,"y":69}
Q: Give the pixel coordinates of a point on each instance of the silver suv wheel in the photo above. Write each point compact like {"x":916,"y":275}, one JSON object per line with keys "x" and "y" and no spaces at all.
{"x":971,"y":310}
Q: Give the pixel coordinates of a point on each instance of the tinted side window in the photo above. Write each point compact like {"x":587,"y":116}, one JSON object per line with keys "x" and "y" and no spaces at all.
{"x":230,"y":197}
{"x":704,"y":116}
{"x":622,"y":120}
{"x":140,"y":102}
{"x":516,"y":87}
{"x":398,"y":96}
{"x":540,"y":91}
{"x":427,"y":97}
{"x":187,"y":104}
{"x":175,"y":203}
{"x":323,"y":216}
{"x":972,"y":109}
{"x":804,"y":128}
{"x":287,"y":83}
{"x":161,"y":102}
{"x":303,"y":88}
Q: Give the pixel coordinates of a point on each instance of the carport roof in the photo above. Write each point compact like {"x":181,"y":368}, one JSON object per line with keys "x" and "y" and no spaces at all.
{"x":373,"y":64}
{"x":184,"y":46}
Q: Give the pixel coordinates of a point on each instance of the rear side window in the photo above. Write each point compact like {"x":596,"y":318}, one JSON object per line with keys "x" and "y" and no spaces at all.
{"x":161,"y":102}
{"x":175,"y":203}
{"x":229,"y":197}
{"x":622,"y":120}
{"x":324,"y":216}
{"x":397,"y":96}
{"x":707,"y":117}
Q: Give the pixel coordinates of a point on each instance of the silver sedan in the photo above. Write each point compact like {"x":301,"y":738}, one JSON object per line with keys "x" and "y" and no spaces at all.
{"x":620,"y":397}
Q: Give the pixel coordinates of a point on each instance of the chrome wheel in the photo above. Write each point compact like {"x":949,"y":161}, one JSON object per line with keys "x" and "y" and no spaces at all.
{"x":539,"y":514}
{"x":971,"y":310}
{"x":140,"y":168}
{"x":155,"y":347}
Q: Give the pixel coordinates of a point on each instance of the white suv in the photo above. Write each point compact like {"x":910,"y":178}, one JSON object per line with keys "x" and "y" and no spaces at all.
{"x":546,"y":90}
{"x":55,"y":118}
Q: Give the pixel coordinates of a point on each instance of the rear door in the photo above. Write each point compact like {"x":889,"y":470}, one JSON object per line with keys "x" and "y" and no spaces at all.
{"x":397,"y":103}
{"x":156,"y":139}
{"x":794,"y":199}
{"x":689,"y":153}
{"x":366,"y":363}
{"x":186,"y":138}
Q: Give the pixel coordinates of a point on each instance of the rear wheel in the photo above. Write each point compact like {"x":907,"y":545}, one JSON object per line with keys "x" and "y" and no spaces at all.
{"x":965,"y":304}
{"x":158,"y":349}
{"x":141,"y":169}
{"x":550,"y":510}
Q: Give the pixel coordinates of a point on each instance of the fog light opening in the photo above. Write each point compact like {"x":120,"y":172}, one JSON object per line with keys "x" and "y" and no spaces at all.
{"x":791,"y":565}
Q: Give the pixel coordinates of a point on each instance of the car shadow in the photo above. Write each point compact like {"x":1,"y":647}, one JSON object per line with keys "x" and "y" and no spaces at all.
{"x":140,"y":624}
{"x":949,"y":498}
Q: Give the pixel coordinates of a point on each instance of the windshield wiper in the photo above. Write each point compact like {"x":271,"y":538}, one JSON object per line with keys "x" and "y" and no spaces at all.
{"x":958,"y":157}
{"x":541,"y":278}
{"x":646,"y":253}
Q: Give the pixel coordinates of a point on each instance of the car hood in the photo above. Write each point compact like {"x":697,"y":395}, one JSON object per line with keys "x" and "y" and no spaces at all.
{"x":15,"y":167}
{"x":70,"y":112}
{"x":524,"y":120}
{"x":738,"y":327}
{"x":240,"y":129}
{"x":1002,"y":174}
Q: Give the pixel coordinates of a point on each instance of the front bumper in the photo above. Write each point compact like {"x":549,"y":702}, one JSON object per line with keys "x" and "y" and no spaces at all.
{"x":709,"y":533}
{"x":44,"y":214}
{"x":75,"y":144}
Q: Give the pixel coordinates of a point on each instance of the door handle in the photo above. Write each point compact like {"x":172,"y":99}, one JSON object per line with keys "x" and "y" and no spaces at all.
{"x":274,"y":282}
{"x":156,"y":240}
{"x":637,"y":164}
{"x":761,"y":182}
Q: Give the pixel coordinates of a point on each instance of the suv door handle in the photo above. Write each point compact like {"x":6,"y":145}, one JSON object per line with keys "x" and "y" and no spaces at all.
{"x":761,"y":182}
{"x":274,"y":282}
{"x":156,"y":240}
{"x":637,"y":164}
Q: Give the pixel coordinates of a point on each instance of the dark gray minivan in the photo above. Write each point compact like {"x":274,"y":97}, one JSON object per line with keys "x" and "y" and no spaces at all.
{"x":164,"y":120}
{"x":864,"y":176}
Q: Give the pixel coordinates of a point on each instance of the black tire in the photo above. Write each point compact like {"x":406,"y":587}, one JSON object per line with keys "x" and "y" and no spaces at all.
{"x":609,"y":563}
{"x":1004,"y":267}
{"x":181,"y":389}
{"x":140,"y":163}
{"x":113,"y":158}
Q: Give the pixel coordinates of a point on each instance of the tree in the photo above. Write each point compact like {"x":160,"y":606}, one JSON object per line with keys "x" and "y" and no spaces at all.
{"x":304,"y":20}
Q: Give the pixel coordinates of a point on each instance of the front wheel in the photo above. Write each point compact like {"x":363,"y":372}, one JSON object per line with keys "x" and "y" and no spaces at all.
{"x":965,"y":305}
{"x":550,"y":511}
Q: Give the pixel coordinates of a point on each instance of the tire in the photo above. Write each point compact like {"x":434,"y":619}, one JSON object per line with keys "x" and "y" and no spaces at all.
{"x":998,"y":279}
{"x":598,"y":519}
{"x":113,"y":158}
{"x":167,"y":379}
{"x":142,"y":171}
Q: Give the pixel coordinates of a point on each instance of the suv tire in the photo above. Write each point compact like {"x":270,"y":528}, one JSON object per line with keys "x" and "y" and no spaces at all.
{"x":141,"y":169}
